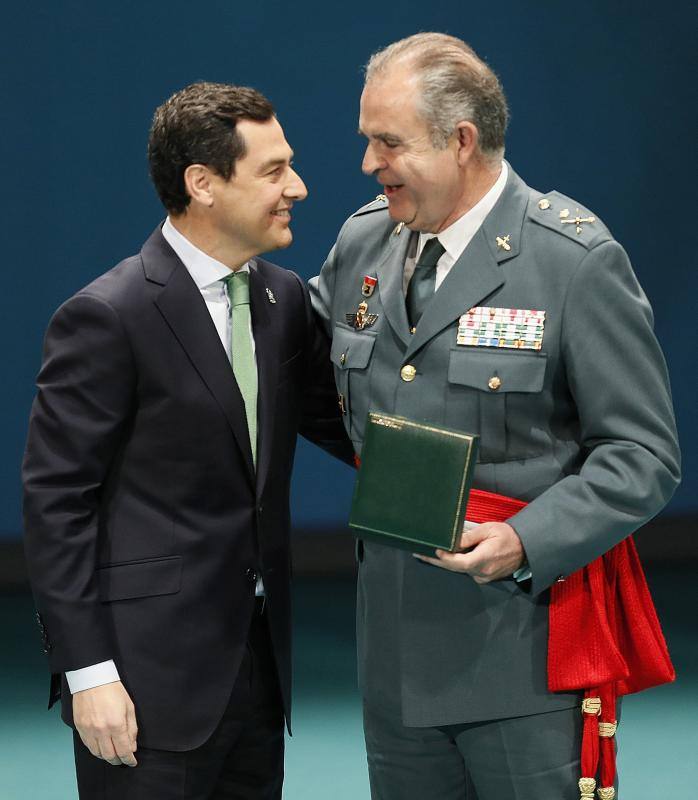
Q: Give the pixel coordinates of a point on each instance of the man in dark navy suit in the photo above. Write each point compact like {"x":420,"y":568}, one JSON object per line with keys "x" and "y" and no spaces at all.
{"x":157,"y":471}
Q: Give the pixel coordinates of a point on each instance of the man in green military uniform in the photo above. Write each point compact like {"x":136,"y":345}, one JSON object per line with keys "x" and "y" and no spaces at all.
{"x":495,"y":309}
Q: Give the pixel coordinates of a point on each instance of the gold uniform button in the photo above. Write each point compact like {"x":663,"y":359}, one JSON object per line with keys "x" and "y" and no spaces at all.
{"x":494,"y":383}
{"x":342,"y":358}
{"x":408,"y":373}
{"x":544,"y":204}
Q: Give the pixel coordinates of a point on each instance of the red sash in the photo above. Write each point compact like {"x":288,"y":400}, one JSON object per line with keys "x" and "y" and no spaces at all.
{"x":604,"y":639}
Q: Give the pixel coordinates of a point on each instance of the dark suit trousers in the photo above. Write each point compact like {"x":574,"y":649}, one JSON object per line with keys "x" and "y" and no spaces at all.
{"x":520,"y":758}
{"x":242,"y":760}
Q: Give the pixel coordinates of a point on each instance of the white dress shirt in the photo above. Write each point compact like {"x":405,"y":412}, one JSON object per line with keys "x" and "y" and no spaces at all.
{"x":208,"y":275}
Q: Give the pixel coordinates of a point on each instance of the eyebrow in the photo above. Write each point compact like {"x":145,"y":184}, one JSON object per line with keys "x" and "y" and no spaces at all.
{"x":275,"y":162}
{"x":383,"y":137}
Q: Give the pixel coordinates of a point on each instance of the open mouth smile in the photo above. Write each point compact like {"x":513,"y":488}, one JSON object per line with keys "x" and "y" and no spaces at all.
{"x":391,"y":189}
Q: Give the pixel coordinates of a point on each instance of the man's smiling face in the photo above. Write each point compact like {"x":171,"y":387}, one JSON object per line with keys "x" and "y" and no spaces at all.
{"x":253,"y":208}
{"x":423,"y":184}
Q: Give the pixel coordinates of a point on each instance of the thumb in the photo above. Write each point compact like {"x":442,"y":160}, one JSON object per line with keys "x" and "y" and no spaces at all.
{"x":472,"y":534}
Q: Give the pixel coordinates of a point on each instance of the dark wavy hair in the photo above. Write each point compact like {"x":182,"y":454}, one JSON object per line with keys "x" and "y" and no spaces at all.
{"x":197,"y":125}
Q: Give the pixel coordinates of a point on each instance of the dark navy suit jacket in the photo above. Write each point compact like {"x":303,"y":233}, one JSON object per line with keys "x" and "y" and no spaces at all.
{"x":146,"y":526}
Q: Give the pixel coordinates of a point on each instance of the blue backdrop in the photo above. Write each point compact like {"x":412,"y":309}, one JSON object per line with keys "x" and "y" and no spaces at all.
{"x":601,"y":110}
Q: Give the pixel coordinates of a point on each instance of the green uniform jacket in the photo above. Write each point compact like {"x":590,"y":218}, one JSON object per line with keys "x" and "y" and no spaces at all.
{"x":583,"y":429}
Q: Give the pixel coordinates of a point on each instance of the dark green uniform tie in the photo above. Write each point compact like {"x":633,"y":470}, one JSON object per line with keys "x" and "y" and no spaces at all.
{"x":421,"y":287}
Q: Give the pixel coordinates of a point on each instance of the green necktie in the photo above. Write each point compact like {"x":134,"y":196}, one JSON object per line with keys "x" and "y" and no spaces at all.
{"x":423,"y":281}
{"x":244,"y":366}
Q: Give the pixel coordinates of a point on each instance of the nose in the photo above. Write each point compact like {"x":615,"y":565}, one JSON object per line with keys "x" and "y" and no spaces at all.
{"x":295,"y":188}
{"x":371,"y":163}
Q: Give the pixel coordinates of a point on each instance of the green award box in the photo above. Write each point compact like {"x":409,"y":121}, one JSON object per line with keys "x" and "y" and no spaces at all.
{"x":412,"y":487}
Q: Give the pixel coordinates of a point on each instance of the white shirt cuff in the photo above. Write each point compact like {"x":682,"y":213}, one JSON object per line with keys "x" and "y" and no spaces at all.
{"x":523,"y":574}
{"x":89,"y":677}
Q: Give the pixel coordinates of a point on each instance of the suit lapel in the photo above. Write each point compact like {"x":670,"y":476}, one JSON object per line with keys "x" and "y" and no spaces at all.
{"x":390,"y":275}
{"x":266,"y":352}
{"x":476,"y":274}
{"x":185,"y":312}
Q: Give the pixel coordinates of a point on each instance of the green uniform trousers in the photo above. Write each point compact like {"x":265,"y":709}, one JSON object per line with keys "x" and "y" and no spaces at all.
{"x":519,"y":758}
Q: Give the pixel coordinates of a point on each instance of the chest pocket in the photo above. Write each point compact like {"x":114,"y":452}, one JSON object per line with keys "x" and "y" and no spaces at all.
{"x":351,"y":355}
{"x":506,"y":384}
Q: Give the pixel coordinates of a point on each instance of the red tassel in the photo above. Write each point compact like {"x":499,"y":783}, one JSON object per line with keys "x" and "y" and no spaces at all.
{"x":591,"y":708}
{"x":607,"y":728}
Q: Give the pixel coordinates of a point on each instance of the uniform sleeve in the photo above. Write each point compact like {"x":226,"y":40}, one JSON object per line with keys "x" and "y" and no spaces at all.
{"x":618,"y":379}
{"x":84,"y":400}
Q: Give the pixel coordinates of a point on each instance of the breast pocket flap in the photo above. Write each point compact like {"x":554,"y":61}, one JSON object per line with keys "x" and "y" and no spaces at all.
{"x":147,"y":578}
{"x":351,"y":349}
{"x":494,"y":371}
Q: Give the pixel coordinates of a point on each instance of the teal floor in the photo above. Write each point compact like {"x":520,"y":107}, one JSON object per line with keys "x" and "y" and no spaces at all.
{"x":658,"y":738}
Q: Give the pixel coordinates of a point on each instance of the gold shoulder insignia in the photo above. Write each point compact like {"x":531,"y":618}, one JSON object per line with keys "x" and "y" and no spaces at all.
{"x":564,"y":215}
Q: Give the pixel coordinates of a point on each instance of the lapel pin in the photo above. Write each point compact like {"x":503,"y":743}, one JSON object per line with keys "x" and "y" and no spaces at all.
{"x":270,"y":294}
{"x":369,"y":285}
{"x":503,"y":242}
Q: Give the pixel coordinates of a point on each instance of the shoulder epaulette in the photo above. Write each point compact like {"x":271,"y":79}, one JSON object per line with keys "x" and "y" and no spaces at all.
{"x":566,"y":216}
{"x":379,"y":204}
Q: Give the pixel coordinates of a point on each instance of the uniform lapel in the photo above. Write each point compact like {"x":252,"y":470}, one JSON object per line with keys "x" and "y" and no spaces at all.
{"x":477,"y":273}
{"x":390,"y":275}
{"x":266,"y":352}
{"x":185,"y":312}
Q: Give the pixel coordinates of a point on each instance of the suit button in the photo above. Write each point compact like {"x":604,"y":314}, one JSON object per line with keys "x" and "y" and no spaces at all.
{"x":494,"y":383}
{"x":408,"y":373}
{"x":251,"y":575}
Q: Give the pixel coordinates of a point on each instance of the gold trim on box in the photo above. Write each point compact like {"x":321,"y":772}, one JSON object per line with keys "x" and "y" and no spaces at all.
{"x":390,"y":421}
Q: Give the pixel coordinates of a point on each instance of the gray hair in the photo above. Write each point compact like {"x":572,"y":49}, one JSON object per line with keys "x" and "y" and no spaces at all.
{"x":455,"y":85}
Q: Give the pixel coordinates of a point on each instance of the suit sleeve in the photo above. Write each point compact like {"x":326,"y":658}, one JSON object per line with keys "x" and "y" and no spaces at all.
{"x":617,"y":376}
{"x":85,"y":397}
{"x":321,"y":420}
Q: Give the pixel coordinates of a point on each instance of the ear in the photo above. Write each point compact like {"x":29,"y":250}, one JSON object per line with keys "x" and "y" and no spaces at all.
{"x":197,"y":181}
{"x":467,"y":142}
